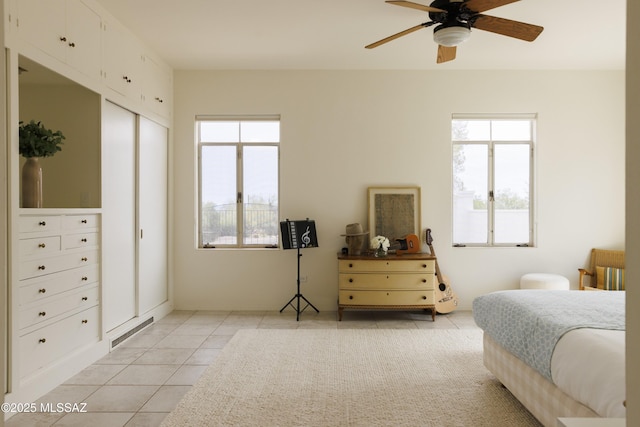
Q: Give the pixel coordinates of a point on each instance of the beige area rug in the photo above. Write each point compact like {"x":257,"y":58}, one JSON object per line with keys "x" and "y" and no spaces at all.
{"x":350,"y":377}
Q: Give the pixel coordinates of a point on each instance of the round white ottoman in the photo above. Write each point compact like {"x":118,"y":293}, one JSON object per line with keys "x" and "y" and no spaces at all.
{"x":544,"y":281}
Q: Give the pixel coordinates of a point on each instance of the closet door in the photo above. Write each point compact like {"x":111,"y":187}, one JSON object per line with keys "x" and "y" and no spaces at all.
{"x":119,"y":213}
{"x":152,"y":214}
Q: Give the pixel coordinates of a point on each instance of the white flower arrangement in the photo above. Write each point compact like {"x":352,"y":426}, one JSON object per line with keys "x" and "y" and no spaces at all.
{"x":380,"y":242}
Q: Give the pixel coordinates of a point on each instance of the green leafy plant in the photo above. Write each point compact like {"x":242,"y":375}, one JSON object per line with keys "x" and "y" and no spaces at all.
{"x":37,"y":141}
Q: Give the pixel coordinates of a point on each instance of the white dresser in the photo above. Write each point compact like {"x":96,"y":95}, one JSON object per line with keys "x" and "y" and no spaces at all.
{"x":58,"y":287}
{"x":405,"y":282}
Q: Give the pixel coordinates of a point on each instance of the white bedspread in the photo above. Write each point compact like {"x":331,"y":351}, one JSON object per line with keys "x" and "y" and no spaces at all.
{"x":584,"y":357}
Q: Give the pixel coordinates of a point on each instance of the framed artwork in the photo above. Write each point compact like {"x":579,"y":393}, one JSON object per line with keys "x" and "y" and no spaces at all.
{"x":394,"y":212}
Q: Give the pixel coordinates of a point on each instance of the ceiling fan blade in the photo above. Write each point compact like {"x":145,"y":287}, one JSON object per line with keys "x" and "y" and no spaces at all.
{"x":413,"y":5}
{"x":484,"y":5}
{"x":446,"y":53}
{"x":506,"y":27}
{"x":400,"y":34}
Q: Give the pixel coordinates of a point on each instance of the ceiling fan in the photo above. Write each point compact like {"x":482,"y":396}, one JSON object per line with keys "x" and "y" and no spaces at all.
{"x":455,"y":18}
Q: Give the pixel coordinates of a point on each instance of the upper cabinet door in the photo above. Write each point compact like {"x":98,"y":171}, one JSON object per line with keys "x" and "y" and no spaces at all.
{"x":43,"y":24}
{"x":84,"y":51}
{"x":122,"y":61}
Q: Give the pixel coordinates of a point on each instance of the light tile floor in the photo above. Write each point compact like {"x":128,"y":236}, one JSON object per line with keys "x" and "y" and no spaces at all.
{"x":143,"y":379}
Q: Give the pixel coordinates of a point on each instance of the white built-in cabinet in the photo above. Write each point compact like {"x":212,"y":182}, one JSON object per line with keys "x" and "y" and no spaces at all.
{"x":76,"y":286}
{"x":68,"y":30}
{"x":134,"y":156}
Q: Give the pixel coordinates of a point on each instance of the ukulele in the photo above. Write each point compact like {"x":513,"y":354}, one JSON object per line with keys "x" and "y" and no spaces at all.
{"x":446,"y":299}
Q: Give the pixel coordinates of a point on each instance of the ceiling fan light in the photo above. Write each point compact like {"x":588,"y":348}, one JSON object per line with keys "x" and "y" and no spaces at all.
{"x":451,"y":36}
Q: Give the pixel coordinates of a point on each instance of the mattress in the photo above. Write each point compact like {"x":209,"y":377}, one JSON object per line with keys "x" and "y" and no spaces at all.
{"x":589,"y":365}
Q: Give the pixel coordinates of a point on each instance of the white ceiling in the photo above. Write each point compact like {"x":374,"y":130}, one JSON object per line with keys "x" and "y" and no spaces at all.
{"x":331,"y":34}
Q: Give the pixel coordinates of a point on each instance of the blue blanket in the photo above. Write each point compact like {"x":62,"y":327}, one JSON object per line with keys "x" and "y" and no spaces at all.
{"x":529,"y":323}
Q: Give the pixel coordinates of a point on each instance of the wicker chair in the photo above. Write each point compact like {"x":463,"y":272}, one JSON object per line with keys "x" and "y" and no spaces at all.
{"x":600,"y":258}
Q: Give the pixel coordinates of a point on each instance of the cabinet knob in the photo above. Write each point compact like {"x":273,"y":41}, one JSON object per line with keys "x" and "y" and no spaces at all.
{"x":350,"y":265}
{"x":42,"y":223}
{"x":84,"y":258}
{"x":41,"y":267}
{"x":424,"y":265}
{"x":63,"y":39}
{"x":424,"y":297}
{"x":84,"y":298}
{"x":424,"y":280}
{"x":350,"y":296}
{"x":42,"y":313}
{"x":42,"y":290}
{"x":85,"y":321}
{"x":350,"y":280}
{"x":83,"y":240}
{"x":42,"y":340}
{"x":84,"y":278}
{"x":42,"y":245}
{"x":84,"y":221}
{"x":72,"y":44}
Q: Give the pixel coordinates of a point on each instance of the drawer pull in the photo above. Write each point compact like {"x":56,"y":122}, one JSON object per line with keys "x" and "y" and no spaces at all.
{"x":42,"y":223}
{"x":63,"y":39}
{"x":83,"y":240}
{"x":424,"y":265}
{"x":84,"y":298}
{"x":84,"y":258}
{"x":42,"y":290}
{"x":42,"y":340}
{"x":84,"y":221}
{"x":42,"y":313}
{"x":42,"y":245}
{"x":424,"y":280}
{"x":424,"y":297}
{"x":350,"y":296}
{"x":350,"y":265}
{"x":41,"y":267}
{"x":85,"y":321}
{"x":85,"y":278}
{"x":350,"y":280}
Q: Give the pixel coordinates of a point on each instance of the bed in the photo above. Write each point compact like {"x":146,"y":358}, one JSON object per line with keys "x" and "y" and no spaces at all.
{"x":561,"y":353}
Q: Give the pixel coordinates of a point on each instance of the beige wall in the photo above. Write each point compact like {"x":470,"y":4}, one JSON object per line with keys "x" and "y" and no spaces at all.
{"x":71,"y":178}
{"x":633,"y":212}
{"x":343,"y":131}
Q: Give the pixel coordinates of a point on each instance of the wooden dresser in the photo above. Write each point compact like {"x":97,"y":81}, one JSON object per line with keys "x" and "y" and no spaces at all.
{"x":404,"y":282}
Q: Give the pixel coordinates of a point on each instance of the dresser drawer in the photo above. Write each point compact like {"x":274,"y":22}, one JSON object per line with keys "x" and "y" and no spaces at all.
{"x":79,"y":240}
{"x":44,"y":287}
{"x":39,"y":223}
{"x":388,"y":298}
{"x":55,"y":306}
{"x":45,"y":345}
{"x":39,"y":246}
{"x":390,"y":265}
{"x":80,"y":222}
{"x":386,"y":281}
{"x":40,"y":267}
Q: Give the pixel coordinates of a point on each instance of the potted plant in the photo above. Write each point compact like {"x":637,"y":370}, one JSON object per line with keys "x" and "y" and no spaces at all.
{"x":35,"y":141}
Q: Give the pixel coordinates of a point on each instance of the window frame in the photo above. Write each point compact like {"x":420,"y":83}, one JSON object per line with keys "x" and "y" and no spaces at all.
{"x":491,"y":144}
{"x":239,"y":179}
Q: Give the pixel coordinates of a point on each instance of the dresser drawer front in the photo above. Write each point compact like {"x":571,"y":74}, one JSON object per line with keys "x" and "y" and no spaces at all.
{"x":44,"y":287}
{"x":387,"y":264}
{"x":79,"y":240}
{"x":52,"y":307}
{"x":391,"y":281}
{"x":54,"y":264}
{"x":39,"y":246}
{"x":381,"y":298}
{"x":80,"y":222}
{"x":39,"y":223}
{"x":44,"y":346}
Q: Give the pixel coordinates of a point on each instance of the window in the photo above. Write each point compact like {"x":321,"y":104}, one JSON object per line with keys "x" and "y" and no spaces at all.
{"x":238,"y":181}
{"x":493,"y":180}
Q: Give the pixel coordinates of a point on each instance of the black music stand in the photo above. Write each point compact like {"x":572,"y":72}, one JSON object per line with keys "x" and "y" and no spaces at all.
{"x":297,"y":235}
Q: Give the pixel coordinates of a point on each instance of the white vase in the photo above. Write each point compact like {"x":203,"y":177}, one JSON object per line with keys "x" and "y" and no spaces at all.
{"x":32,"y":183}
